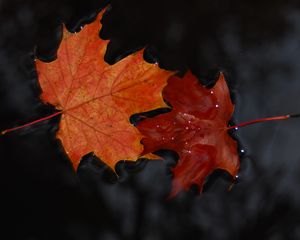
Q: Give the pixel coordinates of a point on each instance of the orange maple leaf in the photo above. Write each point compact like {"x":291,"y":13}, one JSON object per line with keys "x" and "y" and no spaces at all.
{"x":96,"y":99}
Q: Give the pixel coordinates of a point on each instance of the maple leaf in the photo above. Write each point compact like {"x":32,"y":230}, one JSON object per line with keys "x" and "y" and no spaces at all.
{"x":196,"y":129}
{"x":97,"y":99}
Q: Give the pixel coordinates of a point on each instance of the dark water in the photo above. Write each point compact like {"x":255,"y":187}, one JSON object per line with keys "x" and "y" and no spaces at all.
{"x":256,"y":44}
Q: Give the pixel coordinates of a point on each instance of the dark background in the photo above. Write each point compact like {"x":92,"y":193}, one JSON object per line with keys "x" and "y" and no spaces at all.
{"x":256,"y":44}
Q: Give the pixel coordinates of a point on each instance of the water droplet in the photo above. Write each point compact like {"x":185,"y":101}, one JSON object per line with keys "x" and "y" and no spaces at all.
{"x":212,"y":92}
{"x":189,"y":121}
{"x":189,"y":151}
{"x":217,"y":105}
{"x":236,"y":128}
{"x":242,"y":150}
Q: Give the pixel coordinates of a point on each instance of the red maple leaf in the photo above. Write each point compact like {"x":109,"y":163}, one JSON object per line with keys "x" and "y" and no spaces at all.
{"x":196,"y":129}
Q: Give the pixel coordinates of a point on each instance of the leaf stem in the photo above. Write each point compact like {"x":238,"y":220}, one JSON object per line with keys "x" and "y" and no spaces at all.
{"x":276,"y":118}
{"x":31,"y":123}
